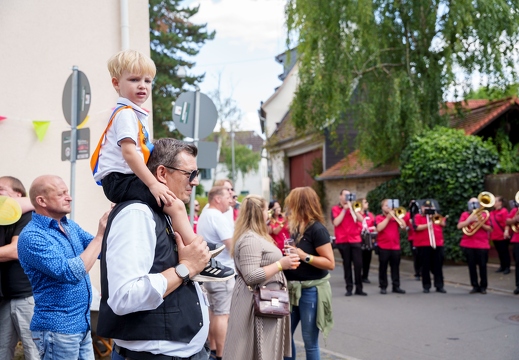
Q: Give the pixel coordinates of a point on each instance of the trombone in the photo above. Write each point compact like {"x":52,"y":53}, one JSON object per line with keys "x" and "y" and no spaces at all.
{"x":431,"y":220}
{"x":398,"y":214}
{"x":355,"y":207}
{"x":486,"y":200}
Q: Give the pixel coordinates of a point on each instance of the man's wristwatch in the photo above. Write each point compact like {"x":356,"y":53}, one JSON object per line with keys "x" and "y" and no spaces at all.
{"x":182,"y":272}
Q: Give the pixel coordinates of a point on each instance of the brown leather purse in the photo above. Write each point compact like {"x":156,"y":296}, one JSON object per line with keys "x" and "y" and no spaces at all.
{"x":271,"y":300}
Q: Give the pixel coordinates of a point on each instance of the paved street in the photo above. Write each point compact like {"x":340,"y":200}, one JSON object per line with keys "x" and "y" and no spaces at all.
{"x":419,"y":326}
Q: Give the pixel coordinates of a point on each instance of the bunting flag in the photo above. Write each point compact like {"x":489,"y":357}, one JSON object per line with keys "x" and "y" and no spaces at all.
{"x":2,"y":118}
{"x":41,"y":126}
{"x":10,"y":211}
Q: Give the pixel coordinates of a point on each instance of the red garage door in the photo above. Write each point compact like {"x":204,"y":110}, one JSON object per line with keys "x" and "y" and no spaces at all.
{"x":300,"y":166}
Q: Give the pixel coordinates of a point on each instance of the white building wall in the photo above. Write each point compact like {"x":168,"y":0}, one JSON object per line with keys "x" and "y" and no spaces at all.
{"x":40,"y":41}
{"x":252,"y":182}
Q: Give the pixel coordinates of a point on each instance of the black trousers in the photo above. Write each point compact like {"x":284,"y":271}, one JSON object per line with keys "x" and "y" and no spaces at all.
{"x":515,"y":251}
{"x":351,"y":255}
{"x":416,"y":261}
{"x":477,"y":258}
{"x":503,"y":252}
{"x":123,"y":187}
{"x":432,"y":262}
{"x":366,"y":262}
{"x":391,"y":257}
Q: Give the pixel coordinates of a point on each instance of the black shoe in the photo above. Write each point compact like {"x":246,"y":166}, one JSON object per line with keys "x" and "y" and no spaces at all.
{"x":474,"y":291}
{"x":417,"y":277}
{"x":348,"y":293}
{"x":362,"y":293}
{"x":506,"y":271}
{"x":426,"y":291}
{"x":441,"y":290}
{"x":214,"y":271}
{"x":398,"y":291}
{"x":516,"y":291}
{"x":215,"y":249}
{"x":366,"y":281}
{"x":383,"y":291}
{"x":483,"y":291}
{"x":500,"y":269}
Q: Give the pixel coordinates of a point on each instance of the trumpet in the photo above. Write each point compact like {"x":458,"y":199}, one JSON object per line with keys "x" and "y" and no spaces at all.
{"x":437,"y":219}
{"x":398,"y":215}
{"x":515,"y":227}
{"x":486,"y":200}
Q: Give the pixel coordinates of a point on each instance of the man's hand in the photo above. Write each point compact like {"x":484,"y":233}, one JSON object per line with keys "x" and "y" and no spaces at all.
{"x":161,"y":192}
{"x":194,"y":256}
{"x":102,"y":224}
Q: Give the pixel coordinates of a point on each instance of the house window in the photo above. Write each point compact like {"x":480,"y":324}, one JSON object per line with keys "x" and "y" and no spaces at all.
{"x":205,"y":174}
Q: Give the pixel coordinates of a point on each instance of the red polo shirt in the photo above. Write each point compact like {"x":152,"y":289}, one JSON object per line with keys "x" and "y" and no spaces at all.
{"x":477,"y":241}
{"x":389,"y":238}
{"x":283,"y":234}
{"x":370,"y":220}
{"x":498,"y":218}
{"x":422,"y":237}
{"x":410,"y":228}
{"x":515,"y":236}
{"x":348,"y":230}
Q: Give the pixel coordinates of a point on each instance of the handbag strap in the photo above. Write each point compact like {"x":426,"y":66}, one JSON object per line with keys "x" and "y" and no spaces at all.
{"x":283,"y":286}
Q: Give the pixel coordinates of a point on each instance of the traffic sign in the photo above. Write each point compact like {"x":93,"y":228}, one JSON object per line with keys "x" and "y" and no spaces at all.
{"x":84,"y":98}
{"x":207,"y":155}
{"x":83,"y":144}
{"x":184,"y":115}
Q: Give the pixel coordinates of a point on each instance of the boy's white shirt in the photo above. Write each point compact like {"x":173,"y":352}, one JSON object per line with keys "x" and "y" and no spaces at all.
{"x":124,"y":126}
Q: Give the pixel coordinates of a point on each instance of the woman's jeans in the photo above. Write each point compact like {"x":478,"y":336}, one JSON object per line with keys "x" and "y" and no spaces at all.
{"x":306,"y":312}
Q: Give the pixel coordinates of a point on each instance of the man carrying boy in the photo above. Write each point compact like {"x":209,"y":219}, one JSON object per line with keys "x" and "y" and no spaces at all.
{"x":119,"y":162}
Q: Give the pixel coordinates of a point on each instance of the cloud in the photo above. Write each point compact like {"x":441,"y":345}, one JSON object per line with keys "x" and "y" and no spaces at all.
{"x":257,"y":24}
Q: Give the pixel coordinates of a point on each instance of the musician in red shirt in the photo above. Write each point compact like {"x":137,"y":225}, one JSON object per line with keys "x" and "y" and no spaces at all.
{"x":413,"y":210}
{"x":476,"y":246}
{"x":278,"y":225}
{"x":348,"y":225}
{"x":498,"y":218}
{"x":513,"y":220}
{"x":388,"y":240}
{"x":430,"y":245}
{"x":368,"y":224}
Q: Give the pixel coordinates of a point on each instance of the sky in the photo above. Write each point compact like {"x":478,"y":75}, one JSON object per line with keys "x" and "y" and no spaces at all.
{"x":249,"y":34}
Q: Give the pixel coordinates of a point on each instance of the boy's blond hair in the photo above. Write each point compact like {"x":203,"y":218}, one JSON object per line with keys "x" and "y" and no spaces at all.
{"x":131,"y":61}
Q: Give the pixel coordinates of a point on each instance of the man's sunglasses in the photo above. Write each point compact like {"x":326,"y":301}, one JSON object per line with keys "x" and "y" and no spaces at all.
{"x":191,"y":174}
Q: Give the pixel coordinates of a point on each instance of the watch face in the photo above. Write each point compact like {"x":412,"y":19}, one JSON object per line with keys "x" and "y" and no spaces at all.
{"x":182,"y":271}
{"x":307,"y":259}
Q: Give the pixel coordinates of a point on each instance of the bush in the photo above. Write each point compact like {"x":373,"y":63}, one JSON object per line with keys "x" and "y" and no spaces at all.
{"x":446,"y":165}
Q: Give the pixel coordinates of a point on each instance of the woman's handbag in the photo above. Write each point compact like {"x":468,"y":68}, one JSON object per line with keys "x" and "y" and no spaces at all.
{"x":269,"y":302}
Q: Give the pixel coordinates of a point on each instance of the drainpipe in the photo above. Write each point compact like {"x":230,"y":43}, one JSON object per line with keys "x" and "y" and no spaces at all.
{"x":125,"y":25}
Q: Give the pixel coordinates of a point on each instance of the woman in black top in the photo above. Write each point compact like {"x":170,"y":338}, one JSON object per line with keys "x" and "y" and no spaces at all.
{"x":310,"y":291}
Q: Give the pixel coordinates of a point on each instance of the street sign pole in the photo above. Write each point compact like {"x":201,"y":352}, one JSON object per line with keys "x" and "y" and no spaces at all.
{"x":195,"y":140}
{"x":73,"y":136}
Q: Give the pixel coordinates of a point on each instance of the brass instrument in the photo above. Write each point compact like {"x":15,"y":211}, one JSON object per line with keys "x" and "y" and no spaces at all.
{"x":355,"y":207}
{"x":486,"y":200}
{"x":430,"y":229}
{"x":398,"y":214}
{"x":515,"y":227}
{"x":437,"y":219}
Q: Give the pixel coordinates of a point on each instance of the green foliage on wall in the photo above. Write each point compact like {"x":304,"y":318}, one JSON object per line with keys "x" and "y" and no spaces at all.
{"x":446,"y":165}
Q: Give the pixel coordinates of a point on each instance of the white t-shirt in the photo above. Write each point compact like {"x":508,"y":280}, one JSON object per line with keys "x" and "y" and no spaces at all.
{"x":215,"y":227}
{"x":124,"y":126}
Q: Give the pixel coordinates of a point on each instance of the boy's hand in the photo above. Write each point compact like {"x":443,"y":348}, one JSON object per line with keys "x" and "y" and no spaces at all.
{"x":162,"y":193}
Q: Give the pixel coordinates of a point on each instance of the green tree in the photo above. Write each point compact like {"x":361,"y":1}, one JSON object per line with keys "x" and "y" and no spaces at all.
{"x":388,"y":63}
{"x":245,"y":160}
{"x":446,"y":165}
{"x":493,"y":93}
{"x":173,"y":39}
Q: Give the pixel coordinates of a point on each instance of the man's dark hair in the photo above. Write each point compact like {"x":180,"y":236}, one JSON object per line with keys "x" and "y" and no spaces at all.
{"x":166,"y":150}
{"x":16,"y":185}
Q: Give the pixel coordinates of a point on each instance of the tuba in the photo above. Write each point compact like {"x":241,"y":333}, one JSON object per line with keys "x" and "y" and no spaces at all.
{"x":515,"y":227}
{"x":486,"y":200}
{"x":398,"y":215}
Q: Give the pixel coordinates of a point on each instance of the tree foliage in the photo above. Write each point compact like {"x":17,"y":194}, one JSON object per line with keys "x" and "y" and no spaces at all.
{"x":173,"y":39}
{"x":493,"y":93}
{"x":388,"y":63}
{"x":446,"y":165}
{"x":245,"y":160}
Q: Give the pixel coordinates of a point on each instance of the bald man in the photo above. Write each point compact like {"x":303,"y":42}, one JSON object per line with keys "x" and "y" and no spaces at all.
{"x":56,"y":254}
